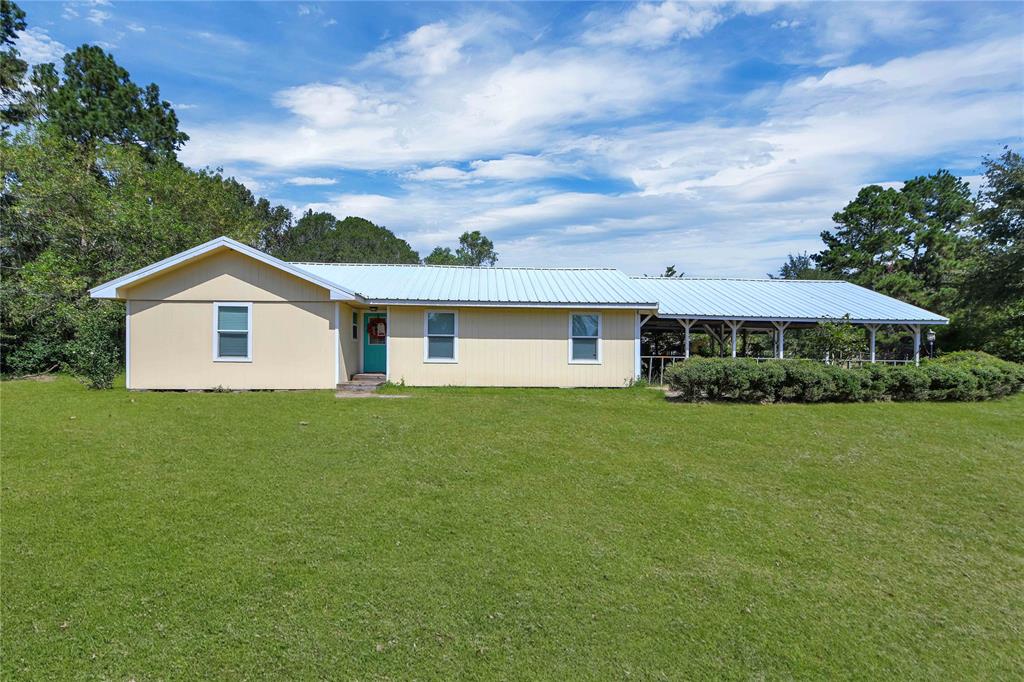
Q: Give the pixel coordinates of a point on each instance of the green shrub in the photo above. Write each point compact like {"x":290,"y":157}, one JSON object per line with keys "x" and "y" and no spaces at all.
{"x":951,"y":382}
{"x":696,"y":378}
{"x":93,"y":356}
{"x":876,"y":381}
{"x":909,"y":383}
{"x":960,"y":376}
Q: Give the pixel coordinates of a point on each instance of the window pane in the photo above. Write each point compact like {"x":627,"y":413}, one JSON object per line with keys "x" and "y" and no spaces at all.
{"x":233,"y":318}
{"x":441,"y":347}
{"x":232,"y":345}
{"x":441,"y":323}
{"x":584,"y":325}
{"x":584,"y":349}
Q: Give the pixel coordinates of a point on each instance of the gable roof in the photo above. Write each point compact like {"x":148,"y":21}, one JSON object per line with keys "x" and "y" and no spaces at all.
{"x":110,"y":289}
{"x":481,"y":286}
{"x":783,"y":300}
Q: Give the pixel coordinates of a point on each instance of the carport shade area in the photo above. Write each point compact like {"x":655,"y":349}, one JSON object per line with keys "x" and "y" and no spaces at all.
{"x":723,"y":308}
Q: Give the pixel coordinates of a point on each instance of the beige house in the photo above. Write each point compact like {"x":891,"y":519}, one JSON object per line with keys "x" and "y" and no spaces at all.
{"x":226,"y":315}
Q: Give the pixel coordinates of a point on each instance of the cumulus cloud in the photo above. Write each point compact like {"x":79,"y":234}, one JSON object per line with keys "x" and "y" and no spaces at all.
{"x":477,"y":143}
{"x":37,"y":47}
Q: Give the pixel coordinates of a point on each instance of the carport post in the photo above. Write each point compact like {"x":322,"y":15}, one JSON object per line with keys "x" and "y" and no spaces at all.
{"x":686,"y":336}
{"x":916,"y":329}
{"x":780,"y":327}
{"x":733,"y":326}
{"x":872,"y":328}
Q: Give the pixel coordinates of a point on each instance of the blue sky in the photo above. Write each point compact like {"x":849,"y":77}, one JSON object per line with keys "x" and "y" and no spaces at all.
{"x":714,"y":136}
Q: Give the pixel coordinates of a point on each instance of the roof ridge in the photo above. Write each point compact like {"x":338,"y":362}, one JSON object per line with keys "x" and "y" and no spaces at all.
{"x":743,"y":279}
{"x":459,"y":267}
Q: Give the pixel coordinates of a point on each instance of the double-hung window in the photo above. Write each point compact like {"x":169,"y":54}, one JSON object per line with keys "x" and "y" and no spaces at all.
{"x":232,"y":332}
{"x":585,"y":338}
{"x":355,"y":325}
{"x":441,"y":336}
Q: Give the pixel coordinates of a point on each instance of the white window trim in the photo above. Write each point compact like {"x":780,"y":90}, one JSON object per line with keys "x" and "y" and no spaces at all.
{"x":216,"y":346}
{"x":426,"y":339}
{"x":600,"y":327}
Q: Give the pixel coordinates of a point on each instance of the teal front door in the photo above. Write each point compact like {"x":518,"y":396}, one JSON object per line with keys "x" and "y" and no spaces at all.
{"x":375,"y":343}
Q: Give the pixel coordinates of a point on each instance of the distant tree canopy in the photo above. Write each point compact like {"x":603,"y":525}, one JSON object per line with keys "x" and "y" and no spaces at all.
{"x":320,"y":237}
{"x":934,"y":245}
{"x":474,"y":249}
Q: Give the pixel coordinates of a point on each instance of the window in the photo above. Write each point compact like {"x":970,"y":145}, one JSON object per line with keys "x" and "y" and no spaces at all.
{"x":585,"y":338}
{"x":441,"y":330}
{"x":232,"y":332}
{"x":355,"y":325}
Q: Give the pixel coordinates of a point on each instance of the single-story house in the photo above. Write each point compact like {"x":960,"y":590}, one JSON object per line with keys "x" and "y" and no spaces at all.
{"x":224,"y":314}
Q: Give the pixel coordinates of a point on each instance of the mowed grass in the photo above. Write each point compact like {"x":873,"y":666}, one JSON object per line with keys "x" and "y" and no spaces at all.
{"x":511,"y":534}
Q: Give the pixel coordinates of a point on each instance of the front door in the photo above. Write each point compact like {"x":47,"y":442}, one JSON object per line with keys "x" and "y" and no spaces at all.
{"x":375,"y":348}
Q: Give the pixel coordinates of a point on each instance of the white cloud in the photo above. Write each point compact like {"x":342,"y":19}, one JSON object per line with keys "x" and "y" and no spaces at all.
{"x":222,"y":40}
{"x":488,"y":113}
{"x":305,"y":181}
{"x":654,"y":25}
{"x":97,"y":16}
{"x":138,"y":28}
{"x":430,"y":50}
{"x":471,"y":139}
{"x":37,"y":47}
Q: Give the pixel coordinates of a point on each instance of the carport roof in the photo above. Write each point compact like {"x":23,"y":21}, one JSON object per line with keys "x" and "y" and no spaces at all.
{"x":778,"y":300}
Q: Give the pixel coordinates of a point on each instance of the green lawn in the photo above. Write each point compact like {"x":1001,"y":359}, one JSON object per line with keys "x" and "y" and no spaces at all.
{"x":557,"y":534}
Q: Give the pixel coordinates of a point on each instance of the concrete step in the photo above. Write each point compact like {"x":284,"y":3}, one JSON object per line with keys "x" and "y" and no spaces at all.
{"x":369,"y":376}
{"x":358,"y":387}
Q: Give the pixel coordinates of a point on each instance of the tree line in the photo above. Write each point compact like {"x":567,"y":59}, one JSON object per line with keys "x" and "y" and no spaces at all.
{"x":934,"y":244}
{"x":92,"y":189}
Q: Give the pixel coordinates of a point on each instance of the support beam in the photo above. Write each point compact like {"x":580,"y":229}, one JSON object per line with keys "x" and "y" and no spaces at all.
{"x":915,"y":329}
{"x":687,"y":324}
{"x":780,"y":330}
{"x":872,"y":330}
{"x":640,"y":322}
{"x":734,"y":326}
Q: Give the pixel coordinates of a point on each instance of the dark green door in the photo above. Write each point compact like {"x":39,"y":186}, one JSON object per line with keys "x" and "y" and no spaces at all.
{"x":375,"y":348}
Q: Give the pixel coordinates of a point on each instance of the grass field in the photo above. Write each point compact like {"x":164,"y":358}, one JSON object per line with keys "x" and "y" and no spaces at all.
{"x":511,"y":534}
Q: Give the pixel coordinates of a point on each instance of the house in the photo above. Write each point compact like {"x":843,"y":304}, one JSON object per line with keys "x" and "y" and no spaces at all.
{"x":224,"y":314}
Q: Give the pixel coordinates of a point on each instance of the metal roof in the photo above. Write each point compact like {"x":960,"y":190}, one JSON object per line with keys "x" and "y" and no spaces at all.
{"x":777,"y":299}
{"x":482,"y":286}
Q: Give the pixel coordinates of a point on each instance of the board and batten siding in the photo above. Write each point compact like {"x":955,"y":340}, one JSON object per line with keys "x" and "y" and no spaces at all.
{"x":293,"y":328}
{"x":511,"y":347}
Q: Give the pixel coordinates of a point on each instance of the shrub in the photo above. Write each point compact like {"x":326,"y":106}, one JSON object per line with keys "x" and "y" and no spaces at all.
{"x":876,"y":381}
{"x":951,"y":382}
{"x":696,"y":378}
{"x":960,"y":376}
{"x":93,"y":356}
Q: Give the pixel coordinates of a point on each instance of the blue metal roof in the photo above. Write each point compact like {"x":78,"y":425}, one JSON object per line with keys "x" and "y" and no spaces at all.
{"x":481,"y":286}
{"x":777,"y":299}
{"x":687,"y":297}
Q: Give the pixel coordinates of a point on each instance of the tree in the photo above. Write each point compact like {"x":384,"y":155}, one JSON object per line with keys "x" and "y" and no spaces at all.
{"x":835,"y":339}
{"x":904,"y":243}
{"x":96,"y":101}
{"x":799,"y":266}
{"x":991,"y":314}
{"x":320,"y":237}
{"x":12,"y":67}
{"x":476,"y":249}
{"x":441,"y":256}
{"x":63,"y":230}
{"x":670,"y":271}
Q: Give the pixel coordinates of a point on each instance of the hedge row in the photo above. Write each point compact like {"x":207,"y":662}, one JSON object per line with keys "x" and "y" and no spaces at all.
{"x":957,"y":376}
